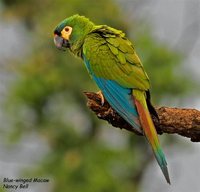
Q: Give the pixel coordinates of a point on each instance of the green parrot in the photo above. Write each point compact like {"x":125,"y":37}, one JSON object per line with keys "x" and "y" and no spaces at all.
{"x":113,"y":64}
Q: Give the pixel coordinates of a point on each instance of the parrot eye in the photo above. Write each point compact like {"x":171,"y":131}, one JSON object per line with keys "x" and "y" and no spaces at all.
{"x":66,"y":29}
{"x":66,"y":32}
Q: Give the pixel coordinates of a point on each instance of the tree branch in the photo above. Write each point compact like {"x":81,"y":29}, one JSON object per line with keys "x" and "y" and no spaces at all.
{"x":185,"y":122}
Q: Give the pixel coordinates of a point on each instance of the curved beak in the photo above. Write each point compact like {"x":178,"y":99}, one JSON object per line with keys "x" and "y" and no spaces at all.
{"x":61,"y":43}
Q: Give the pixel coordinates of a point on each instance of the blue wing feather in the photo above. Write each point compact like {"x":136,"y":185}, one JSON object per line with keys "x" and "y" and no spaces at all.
{"x":118,"y":97}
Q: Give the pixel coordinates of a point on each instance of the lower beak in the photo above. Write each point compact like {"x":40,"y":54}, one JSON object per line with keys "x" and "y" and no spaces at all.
{"x":61,"y":43}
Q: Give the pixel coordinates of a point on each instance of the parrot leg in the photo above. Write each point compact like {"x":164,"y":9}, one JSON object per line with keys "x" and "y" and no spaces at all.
{"x":102,"y":97}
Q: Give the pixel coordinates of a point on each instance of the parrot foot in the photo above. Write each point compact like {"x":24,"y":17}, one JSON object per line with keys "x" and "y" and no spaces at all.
{"x":102,"y":97}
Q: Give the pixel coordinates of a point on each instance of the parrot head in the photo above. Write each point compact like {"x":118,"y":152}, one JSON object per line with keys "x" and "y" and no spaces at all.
{"x":71,"y":32}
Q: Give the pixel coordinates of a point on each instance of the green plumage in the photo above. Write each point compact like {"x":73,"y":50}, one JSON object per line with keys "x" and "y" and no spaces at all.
{"x":113,"y":57}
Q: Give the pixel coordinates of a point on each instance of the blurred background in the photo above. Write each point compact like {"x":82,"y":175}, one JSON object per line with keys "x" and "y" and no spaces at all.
{"x":46,"y":129}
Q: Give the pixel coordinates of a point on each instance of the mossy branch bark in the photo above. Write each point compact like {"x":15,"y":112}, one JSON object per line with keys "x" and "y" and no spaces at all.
{"x":185,"y":122}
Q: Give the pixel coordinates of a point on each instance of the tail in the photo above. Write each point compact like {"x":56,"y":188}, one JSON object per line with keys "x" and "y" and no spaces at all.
{"x":150,"y":131}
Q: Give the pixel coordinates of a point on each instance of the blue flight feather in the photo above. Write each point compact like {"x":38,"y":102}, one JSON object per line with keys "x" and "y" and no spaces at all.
{"x":118,"y":97}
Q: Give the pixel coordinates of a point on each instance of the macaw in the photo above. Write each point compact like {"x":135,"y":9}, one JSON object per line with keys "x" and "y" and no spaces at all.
{"x":113,"y":64}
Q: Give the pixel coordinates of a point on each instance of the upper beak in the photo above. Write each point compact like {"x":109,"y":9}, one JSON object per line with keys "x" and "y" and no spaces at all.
{"x":60,"y":42}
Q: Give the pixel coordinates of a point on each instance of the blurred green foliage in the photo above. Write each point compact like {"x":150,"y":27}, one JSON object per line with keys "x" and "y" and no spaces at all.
{"x":163,"y":67}
{"x":47,"y":98}
{"x":1,"y":190}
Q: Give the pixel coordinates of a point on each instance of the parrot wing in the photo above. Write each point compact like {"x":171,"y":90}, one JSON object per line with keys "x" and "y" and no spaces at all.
{"x":114,"y":76}
{"x":113,"y":57}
